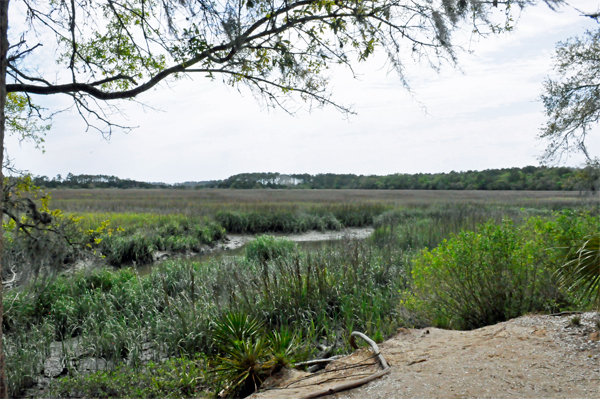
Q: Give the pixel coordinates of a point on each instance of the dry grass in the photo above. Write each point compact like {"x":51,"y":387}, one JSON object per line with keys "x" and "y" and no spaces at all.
{"x":208,"y":201}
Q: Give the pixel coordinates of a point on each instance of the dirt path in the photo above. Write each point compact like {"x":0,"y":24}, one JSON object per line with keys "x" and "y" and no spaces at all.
{"x":528,"y":357}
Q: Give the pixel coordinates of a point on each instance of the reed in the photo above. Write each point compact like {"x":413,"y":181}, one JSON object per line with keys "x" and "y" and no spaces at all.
{"x":319,"y":296}
{"x":116,"y":314}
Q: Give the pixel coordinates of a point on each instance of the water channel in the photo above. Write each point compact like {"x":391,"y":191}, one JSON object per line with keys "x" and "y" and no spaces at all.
{"x":236,"y":244}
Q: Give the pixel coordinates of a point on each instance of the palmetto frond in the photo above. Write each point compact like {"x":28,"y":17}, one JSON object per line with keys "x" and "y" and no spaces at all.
{"x":582,"y":268}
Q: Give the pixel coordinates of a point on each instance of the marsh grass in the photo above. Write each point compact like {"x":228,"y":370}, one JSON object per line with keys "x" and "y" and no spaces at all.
{"x":175,"y":378}
{"x":428,"y":226}
{"x":208,"y":202}
{"x":117,"y":315}
{"x":316,"y":296}
{"x":26,"y":350}
{"x":128,"y":238}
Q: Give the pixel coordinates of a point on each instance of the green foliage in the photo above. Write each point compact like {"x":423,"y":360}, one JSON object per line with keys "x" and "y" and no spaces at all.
{"x":25,"y":352}
{"x":526,"y":178}
{"x":265,"y":248}
{"x":116,"y":314}
{"x":427,"y":227}
{"x":37,"y":240}
{"x":294,"y":295}
{"x":22,"y":119}
{"x":174,"y":378}
{"x":279,"y":221}
{"x":145,"y":234}
{"x":324,"y":294}
{"x":93,"y":181}
{"x":244,"y":359}
{"x":571,"y":100}
{"x":324,"y":217}
{"x":285,"y":348}
{"x":247,"y":354}
{"x":499,"y":272}
{"x":119,"y":249}
{"x":581,"y":271}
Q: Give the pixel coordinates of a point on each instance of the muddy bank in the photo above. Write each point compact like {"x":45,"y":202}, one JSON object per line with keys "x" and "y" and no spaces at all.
{"x":235,"y":241}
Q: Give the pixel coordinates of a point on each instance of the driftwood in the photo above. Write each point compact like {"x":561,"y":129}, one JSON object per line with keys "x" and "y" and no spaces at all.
{"x":12,"y":280}
{"x":362,"y":381}
{"x":567,"y":313}
{"x":373,"y":346}
{"x":316,"y":361}
{"x":348,"y":385}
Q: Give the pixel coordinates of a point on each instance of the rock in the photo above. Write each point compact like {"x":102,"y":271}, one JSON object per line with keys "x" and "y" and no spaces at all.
{"x":61,"y":354}
{"x":92,"y":364}
{"x":160,"y":255}
{"x":54,"y":367}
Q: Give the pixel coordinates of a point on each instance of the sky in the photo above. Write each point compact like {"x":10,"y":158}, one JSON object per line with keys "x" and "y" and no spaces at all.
{"x":485,"y":114}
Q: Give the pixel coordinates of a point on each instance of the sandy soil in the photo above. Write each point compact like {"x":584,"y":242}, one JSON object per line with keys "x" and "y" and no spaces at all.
{"x":238,"y":240}
{"x":529,"y":357}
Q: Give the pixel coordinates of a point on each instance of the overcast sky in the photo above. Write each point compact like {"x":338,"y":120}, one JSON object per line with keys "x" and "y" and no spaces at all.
{"x":485,"y":115}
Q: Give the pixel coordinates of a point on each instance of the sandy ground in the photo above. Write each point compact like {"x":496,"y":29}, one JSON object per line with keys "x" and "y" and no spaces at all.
{"x":529,"y":357}
{"x":238,"y":240}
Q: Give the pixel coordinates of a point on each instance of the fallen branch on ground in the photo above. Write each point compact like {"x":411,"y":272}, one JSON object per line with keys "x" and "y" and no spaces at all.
{"x":362,"y":381}
{"x":565,"y":313}
{"x":316,"y":361}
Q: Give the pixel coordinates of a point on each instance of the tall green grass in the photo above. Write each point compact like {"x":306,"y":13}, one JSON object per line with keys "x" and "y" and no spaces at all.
{"x":428,"y":226}
{"x":117,"y":314}
{"x":127,"y":238}
{"x":320,"y":296}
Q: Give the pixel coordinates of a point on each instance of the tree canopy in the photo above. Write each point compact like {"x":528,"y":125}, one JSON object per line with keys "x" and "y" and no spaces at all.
{"x":572,"y":100}
{"x":117,"y":49}
{"x":526,"y":178}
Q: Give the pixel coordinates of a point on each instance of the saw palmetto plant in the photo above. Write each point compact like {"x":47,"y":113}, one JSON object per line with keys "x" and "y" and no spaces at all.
{"x":245,"y":357}
{"x":581,"y":270}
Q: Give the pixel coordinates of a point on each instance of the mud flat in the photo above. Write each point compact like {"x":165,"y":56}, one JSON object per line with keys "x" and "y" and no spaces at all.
{"x":236,"y":241}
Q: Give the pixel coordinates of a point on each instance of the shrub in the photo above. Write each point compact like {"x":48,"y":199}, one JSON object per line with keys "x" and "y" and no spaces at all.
{"x":485,"y":277}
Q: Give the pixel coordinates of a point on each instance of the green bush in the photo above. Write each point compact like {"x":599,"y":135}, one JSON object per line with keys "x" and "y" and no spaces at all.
{"x":498,"y":272}
{"x":485,"y":277}
{"x":581,"y":270}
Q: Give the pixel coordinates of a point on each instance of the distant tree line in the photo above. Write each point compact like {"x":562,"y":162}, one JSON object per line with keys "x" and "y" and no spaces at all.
{"x":92,"y":181}
{"x":526,"y":178}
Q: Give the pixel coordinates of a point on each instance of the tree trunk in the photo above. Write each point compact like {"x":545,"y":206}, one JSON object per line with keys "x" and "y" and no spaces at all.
{"x":3,"y":64}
